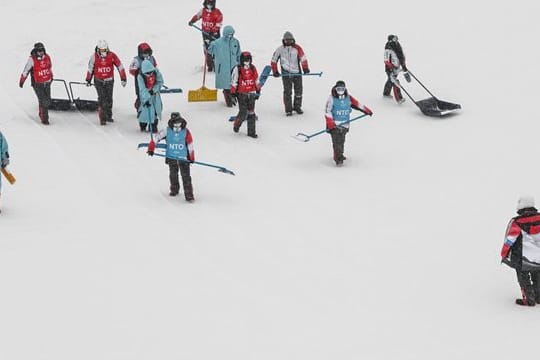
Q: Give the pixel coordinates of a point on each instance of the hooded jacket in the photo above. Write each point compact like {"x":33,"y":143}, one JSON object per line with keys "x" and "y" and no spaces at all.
{"x":521,"y":248}
{"x":147,"y":114}
{"x":226,"y":52}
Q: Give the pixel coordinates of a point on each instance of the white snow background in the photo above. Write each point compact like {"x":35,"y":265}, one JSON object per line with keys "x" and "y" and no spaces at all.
{"x":395,"y":255}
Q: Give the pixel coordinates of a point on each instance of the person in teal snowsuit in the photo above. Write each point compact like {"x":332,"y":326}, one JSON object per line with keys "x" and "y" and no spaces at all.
{"x":226,"y":53}
{"x":150,"y":82}
{"x":4,"y":155}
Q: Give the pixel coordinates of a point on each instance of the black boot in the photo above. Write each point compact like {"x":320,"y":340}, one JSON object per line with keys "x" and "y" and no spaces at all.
{"x":525,"y":302}
{"x":142,"y":126}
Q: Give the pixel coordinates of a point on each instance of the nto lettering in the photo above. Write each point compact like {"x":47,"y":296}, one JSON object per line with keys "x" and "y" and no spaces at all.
{"x":104,"y":70}
{"x":43,"y":72}
{"x":342,"y":112}
{"x":176,"y":146}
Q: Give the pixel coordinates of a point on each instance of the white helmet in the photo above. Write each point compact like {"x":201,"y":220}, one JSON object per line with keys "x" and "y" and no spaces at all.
{"x":102,"y":44}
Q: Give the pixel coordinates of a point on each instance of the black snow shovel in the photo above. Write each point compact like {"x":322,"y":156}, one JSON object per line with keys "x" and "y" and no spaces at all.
{"x":82,"y":104}
{"x":61,"y":104}
{"x":431,"y":106}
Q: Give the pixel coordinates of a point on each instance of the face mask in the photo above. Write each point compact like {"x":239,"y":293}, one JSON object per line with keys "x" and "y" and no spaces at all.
{"x":340,"y":90}
{"x":177,"y":127}
{"x":209,"y":7}
{"x":246,"y":63}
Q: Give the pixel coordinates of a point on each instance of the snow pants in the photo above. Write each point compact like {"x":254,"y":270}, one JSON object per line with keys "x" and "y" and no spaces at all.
{"x":389,"y":85}
{"x":105,"y":100}
{"x":338,"y":143}
{"x":246,"y":111}
{"x":530,"y":285}
{"x":207,"y":39}
{"x":43,"y":93}
{"x":184,"y":167}
{"x":291,"y":83}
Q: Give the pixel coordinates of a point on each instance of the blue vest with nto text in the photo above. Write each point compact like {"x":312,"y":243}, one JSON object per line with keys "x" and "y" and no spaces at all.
{"x":176,"y":144}
{"x":341,"y":110}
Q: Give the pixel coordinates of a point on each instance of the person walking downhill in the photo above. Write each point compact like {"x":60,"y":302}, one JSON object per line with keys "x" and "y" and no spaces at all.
{"x":246,"y":88}
{"x":179,"y":154}
{"x":212,"y":19}
{"x":225,"y":52}
{"x":293,"y":61}
{"x":338,"y":109}
{"x":101,"y":68}
{"x":150,"y":109}
{"x":39,"y":66}
{"x":521,"y":250}
{"x":144,"y":52}
{"x":394,"y":62}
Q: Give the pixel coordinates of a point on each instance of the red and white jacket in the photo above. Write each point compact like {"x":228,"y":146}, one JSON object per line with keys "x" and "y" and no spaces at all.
{"x":291,"y":58}
{"x":245,"y":79}
{"x":527,"y":230}
{"x":101,"y":68}
{"x":40,"y":69}
{"x":211,"y":20}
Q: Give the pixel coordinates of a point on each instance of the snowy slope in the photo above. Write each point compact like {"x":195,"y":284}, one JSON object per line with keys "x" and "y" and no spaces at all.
{"x":394,"y":255}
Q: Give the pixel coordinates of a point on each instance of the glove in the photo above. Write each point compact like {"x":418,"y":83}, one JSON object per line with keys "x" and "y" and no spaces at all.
{"x":123,"y":82}
{"x":22,"y":80}
{"x":151,"y":148}
{"x":21,"y":83}
{"x":234,"y":99}
{"x":407,"y":76}
{"x":151,"y":91}
{"x":88,"y":82}
{"x":190,"y":23}
{"x":257,"y":95}
{"x":147,"y":103}
{"x":367,"y":111}
{"x":276,"y":74}
{"x":306,"y":71}
{"x":5,"y":162}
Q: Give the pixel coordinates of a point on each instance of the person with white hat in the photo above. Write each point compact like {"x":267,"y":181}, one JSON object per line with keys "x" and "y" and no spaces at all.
{"x":521,"y":250}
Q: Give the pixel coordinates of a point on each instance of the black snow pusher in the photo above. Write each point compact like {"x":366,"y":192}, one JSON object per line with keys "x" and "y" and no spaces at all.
{"x":431,"y":106}
{"x":82,"y":104}
{"x":61,"y":104}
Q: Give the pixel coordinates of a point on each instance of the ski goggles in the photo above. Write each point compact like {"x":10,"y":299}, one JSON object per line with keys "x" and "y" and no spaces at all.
{"x":341,"y":89}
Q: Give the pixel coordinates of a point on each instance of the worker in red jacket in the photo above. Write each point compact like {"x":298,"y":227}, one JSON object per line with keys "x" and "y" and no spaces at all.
{"x":521,"y":250}
{"x":246,"y":89}
{"x":39,"y":66}
{"x":212,"y":20}
{"x":101,"y":68}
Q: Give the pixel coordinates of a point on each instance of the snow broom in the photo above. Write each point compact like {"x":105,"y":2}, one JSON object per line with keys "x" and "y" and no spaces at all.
{"x":204,"y":93}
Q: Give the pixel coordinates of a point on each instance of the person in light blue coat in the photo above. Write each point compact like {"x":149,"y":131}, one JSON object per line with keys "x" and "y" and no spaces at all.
{"x":4,"y":155}
{"x":150,"y":82}
{"x":226,"y":53}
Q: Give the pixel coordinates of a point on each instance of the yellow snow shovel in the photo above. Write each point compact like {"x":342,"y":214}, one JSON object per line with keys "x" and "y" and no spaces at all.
{"x":204,"y":93}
